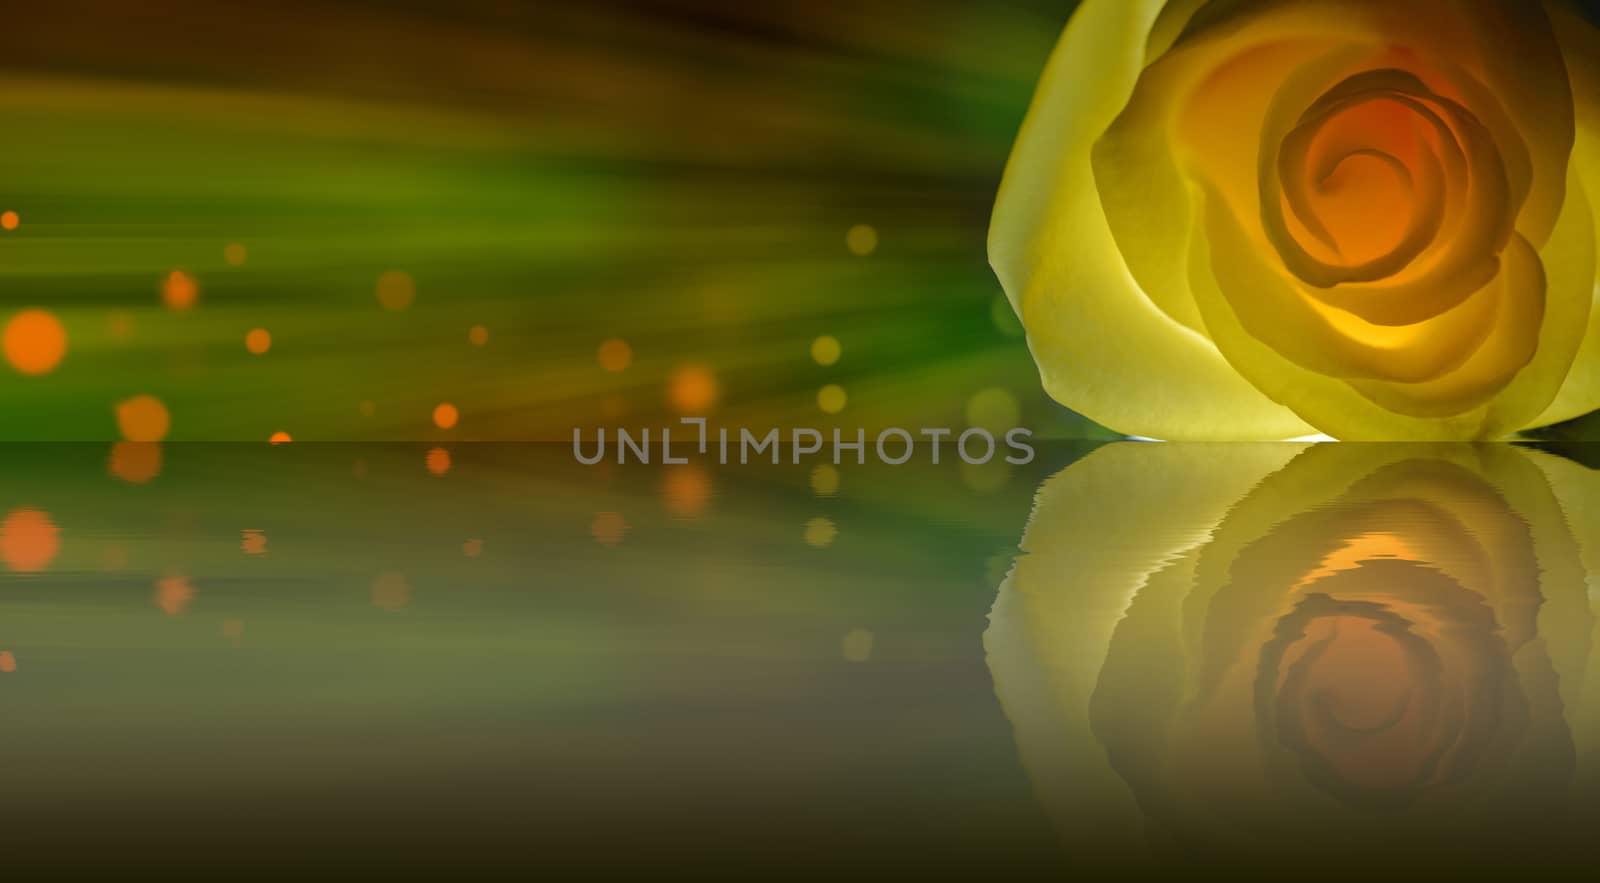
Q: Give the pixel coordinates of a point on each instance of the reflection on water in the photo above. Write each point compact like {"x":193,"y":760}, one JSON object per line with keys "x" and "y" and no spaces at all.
{"x":468,"y":657}
{"x":1307,"y":660}
{"x":441,"y":658}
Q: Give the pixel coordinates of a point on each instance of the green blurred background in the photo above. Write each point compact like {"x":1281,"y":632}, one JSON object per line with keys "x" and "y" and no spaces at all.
{"x":715,"y":184}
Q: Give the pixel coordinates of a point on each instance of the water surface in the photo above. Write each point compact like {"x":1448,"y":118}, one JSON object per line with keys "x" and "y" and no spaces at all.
{"x":396,"y":659}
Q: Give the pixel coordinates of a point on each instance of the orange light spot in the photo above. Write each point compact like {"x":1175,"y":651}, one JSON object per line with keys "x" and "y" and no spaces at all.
{"x":832,"y":398}
{"x":279,"y":438}
{"x":10,"y":220}
{"x":253,"y":542}
{"x":686,"y":491}
{"x":472,"y":548}
{"x":857,"y":646}
{"x":862,"y":240}
{"x":116,"y":557}
{"x":233,"y":630}
{"x":135,"y":462}
{"x":143,"y":419}
{"x":693,"y":389}
{"x":390,"y":591}
{"x":179,"y":290}
{"x":35,"y":342}
{"x":359,"y":468}
{"x":478,"y":334}
{"x":396,"y":290}
{"x":608,"y":528}
{"x":258,"y":341}
{"x":825,"y":480}
{"x":367,"y":408}
{"x":173,"y":594}
{"x":445,"y":415}
{"x":29,"y":540}
{"x":826,"y":350}
{"x":438,"y":461}
{"x":8,"y":662}
{"x":119,"y":325}
{"x":235,"y":254}
{"x":615,"y":355}
{"x":821,"y":532}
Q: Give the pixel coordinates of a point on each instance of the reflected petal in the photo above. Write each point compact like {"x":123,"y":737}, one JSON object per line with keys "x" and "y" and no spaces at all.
{"x":1258,"y":656}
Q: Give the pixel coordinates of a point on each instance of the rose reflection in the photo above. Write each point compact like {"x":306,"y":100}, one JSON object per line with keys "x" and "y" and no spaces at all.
{"x":1270,"y":651}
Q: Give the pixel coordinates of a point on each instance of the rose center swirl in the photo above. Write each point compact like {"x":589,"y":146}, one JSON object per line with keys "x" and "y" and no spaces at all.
{"x":1383,"y":179}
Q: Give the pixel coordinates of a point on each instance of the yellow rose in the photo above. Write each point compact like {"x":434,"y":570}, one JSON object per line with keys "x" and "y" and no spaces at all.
{"x":1360,"y":653}
{"x":1235,"y":219}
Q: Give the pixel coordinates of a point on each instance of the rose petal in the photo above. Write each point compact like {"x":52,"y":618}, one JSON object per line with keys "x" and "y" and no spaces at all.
{"x":1493,"y":73}
{"x":1519,"y":292}
{"x":1272,"y":308}
{"x":1334,"y":407}
{"x":1569,"y":260}
{"x":1102,"y":347}
{"x":1580,"y":43}
{"x":1112,"y":526}
{"x":1556,"y":510}
{"x":1101,"y":646}
{"x":1478,"y":208}
{"x":1504,"y":59}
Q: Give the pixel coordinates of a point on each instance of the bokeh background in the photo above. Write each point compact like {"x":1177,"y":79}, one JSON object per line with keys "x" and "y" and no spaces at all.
{"x":328,"y":219}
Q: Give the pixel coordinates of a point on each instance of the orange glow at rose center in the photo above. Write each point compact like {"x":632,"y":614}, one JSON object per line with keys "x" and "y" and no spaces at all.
{"x":1361,"y":682}
{"x":1357,"y":184}
{"x":1365,"y":205}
